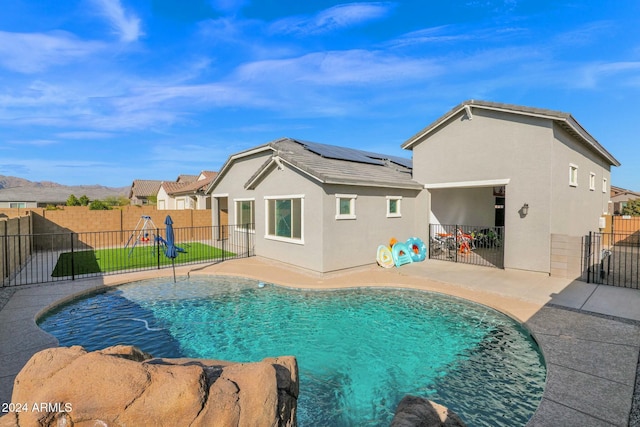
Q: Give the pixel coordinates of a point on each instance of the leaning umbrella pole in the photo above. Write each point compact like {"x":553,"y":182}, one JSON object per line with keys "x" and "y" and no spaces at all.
{"x":170,"y":250}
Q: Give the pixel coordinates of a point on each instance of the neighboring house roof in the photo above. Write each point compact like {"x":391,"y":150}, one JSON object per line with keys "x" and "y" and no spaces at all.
{"x":186,"y":178}
{"x":195,"y":187}
{"x":564,"y":120}
{"x":619,"y":191}
{"x":329,"y":164}
{"x":170,"y":186}
{"x":144,"y":188}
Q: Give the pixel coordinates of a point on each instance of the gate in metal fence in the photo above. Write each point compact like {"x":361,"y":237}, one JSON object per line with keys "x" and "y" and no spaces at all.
{"x":477,"y":245}
{"x":39,"y":258}
{"x":612,"y":259}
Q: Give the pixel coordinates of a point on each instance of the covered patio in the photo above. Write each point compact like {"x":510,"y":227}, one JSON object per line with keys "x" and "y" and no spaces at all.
{"x":467,"y":222}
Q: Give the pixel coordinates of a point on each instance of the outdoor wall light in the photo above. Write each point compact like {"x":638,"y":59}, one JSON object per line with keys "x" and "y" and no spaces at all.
{"x":525,"y":209}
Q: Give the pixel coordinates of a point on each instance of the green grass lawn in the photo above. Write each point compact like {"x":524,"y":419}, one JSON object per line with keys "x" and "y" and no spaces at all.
{"x":141,"y":257}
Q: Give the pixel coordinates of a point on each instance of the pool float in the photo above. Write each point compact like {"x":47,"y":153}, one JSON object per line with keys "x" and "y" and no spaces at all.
{"x":417,"y":249}
{"x":401,"y":254}
{"x":384,"y":257}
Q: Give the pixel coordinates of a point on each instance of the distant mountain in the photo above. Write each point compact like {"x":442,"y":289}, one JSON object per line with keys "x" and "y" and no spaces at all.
{"x":19,"y":189}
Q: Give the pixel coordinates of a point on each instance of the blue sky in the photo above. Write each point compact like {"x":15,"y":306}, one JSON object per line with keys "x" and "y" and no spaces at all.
{"x":107,"y":91}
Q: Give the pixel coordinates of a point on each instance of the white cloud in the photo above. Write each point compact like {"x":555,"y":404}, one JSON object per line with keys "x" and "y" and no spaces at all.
{"x":625,"y":73}
{"x":125,"y":24}
{"x":341,"y":68}
{"x":35,"y":52}
{"x":334,"y":18}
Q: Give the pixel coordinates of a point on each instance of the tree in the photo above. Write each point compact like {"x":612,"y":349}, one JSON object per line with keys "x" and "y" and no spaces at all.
{"x":632,"y":208}
{"x":117,"y":201}
{"x":98,"y":205}
{"x":73,"y":201}
{"x":84,"y":200}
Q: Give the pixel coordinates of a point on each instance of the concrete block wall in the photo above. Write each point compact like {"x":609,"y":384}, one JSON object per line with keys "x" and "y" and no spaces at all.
{"x":566,"y":256}
{"x":15,"y":245}
{"x":106,"y":228}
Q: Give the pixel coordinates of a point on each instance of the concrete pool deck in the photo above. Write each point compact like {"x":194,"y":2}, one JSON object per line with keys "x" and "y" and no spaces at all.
{"x":589,"y":334}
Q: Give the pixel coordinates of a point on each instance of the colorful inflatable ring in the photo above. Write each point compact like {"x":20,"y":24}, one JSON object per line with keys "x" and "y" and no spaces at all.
{"x":401,"y":254}
{"x":417,"y":249}
{"x":384,"y":257}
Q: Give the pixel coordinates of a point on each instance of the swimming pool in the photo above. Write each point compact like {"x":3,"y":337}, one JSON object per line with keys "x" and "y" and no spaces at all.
{"x":359,"y":350}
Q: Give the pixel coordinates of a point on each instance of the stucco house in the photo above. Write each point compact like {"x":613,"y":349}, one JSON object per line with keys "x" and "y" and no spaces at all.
{"x":143,"y":191}
{"x":187,"y":193}
{"x":541,"y":158}
{"x":538,"y":173}
{"x":620,"y":197}
{"x":316,"y":206}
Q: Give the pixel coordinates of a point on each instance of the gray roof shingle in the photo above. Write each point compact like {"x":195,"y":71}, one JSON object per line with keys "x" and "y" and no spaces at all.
{"x":381,"y":171}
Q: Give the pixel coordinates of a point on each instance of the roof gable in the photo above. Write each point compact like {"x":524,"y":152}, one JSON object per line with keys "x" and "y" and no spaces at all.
{"x":328,"y":164}
{"x":144,"y":188}
{"x":564,"y":120}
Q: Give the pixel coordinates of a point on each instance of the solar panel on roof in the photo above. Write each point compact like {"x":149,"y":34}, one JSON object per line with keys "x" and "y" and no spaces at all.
{"x":340,"y":153}
{"x":402,"y":161}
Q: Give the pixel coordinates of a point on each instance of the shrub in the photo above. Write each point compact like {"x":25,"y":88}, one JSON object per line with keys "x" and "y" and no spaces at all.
{"x":98,"y":205}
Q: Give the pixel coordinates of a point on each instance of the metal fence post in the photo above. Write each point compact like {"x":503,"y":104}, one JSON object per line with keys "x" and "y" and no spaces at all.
{"x":455,"y":237}
{"x":73,"y":269}
{"x":247,"y":239}
{"x":223,"y":239}
{"x":157,"y":247}
{"x":589,"y":252}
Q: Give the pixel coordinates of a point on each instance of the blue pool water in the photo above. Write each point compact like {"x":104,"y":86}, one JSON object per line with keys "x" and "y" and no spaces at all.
{"x":359,"y":351}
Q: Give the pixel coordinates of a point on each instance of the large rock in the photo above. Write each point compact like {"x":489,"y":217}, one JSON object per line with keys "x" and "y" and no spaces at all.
{"x":413,"y":411}
{"x":123,"y":386}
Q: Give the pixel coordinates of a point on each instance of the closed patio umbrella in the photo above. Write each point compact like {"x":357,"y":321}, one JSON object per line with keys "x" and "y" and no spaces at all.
{"x":170,"y":249}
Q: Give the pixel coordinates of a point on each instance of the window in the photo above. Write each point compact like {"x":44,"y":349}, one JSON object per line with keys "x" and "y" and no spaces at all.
{"x":245,"y":214}
{"x":592,"y":181}
{"x":346,"y":206}
{"x":284,"y":218}
{"x":393,"y":206}
{"x":573,"y":175}
{"x":18,"y":205}
{"x":604,"y":185}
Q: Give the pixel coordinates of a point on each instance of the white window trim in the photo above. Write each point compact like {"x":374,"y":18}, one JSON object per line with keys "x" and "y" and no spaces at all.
{"x":267,"y":236}
{"x":399,"y":205}
{"x":592,"y":181}
{"x":352,"y":206}
{"x":573,"y":183}
{"x":604,"y":185}
{"x":235,"y":208}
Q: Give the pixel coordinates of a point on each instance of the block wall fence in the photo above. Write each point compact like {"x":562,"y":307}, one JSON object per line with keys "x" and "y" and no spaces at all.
{"x":79,"y":219}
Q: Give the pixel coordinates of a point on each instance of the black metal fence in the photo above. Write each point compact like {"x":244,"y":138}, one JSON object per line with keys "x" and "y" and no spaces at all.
{"x":612,"y":259}
{"x":40,"y":258}
{"x":477,"y":245}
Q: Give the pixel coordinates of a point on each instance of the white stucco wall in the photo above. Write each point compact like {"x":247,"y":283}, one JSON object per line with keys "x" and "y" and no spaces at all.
{"x":285,"y":182}
{"x":353,"y":242}
{"x":328,"y":243}
{"x":576,"y":210}
{"x":163,"y":201}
